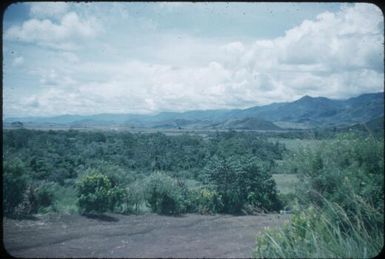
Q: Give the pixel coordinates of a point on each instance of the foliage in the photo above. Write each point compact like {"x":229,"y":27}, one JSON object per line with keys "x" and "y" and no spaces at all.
{"x":116,"y":198}
{"x":95,"y":193}
{"x":66,"y":199}
{"x":243,"y":181}
{"x":341,"y":209}
{"x":116,"y":174}
{"x":205,"y":201}
{"x":341,"y":168}
{"x":316,"y":233}
{"x":163,"y":195}
{"x":66,"y":157}
{"x":60,"y":155}
{"x":44,"y":196}
{"x":286,"y":183}
{"x":135,"y":197}
{"x":14,"y":185}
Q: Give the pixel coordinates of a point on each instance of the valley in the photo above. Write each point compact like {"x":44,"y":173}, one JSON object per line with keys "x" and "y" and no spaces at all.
{"x":304,"y":113}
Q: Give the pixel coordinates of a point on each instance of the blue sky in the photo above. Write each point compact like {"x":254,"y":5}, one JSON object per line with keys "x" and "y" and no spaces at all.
{"x":88,"y":58}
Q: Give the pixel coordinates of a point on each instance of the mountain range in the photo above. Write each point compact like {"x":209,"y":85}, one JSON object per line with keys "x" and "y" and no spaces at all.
{"x":306,"y":112}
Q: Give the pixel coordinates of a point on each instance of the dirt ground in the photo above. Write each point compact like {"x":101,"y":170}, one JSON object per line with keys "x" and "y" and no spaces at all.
{"x":136,"y":236}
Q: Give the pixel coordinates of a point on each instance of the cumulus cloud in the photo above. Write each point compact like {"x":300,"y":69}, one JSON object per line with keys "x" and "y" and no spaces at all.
{"x":61,"y":35}
{"x":347,"y":39}
{"x":318,"y":57}
{"x":336,"y":54}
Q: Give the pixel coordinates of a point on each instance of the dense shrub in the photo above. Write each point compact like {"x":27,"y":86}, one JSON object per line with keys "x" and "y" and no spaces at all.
{"x":14,"y":185}
{"x":116,"y":174}
{"x":41,"y":198}
{"x":339,"y":169}
{"x":205,"y":201}
{"x":241,"y":182}
{"x":163,"y":195}
{"x":95,"y":194}
{"x":116,"y":199}
{"x":135,"y":197}
{"x":341,"y":199}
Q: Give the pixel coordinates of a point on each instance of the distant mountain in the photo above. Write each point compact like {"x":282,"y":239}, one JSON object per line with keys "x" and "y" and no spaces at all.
{"x":305,"y":109}
{"x":306,"y":112}
{"x":321,"y":111}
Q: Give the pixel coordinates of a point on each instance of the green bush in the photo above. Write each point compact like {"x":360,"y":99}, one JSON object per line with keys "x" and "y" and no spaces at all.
{"x":205,"y":201}
{"x":340,"y":168}
{"x":243,"y":182}
{"x":95,"y":194}
{"x":116,"y":199}
{"x":41,"y":198}
{"x":341,"y":196}
{"x":135,"y":197}
{"x":14,"y":185}
{"x":116,"y":174}
{"x":163,"y":195}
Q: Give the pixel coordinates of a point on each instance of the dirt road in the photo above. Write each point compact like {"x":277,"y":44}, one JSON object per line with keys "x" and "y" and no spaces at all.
{"x":136,"y":236}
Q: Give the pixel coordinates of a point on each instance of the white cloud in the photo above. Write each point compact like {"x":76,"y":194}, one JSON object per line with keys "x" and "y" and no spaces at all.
{"x":61,"y":35}
{"x":331,"y":55}
{"x":346,"y":39}
{"x":48,"y":9}
{"x":335,"y":55}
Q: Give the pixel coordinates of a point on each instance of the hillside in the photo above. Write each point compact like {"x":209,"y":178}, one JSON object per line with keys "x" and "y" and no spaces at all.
{"x":248,"y":124}
{"x":306,"y":112}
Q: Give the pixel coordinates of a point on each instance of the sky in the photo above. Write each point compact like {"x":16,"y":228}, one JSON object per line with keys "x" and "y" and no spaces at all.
{"x":144,"y":58}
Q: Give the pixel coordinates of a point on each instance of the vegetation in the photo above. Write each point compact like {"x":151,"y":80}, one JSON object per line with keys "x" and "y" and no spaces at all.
{"x":332,"y":183}
{"x":96,"y":193}
{"x":14,"y":185}
{"x":340,"y":209}
{"x":130,"y":173}
{"x":242,"y":182}
{"x":205,"y":201}
{"x":164,"y":195}
{"x":316,"y":233}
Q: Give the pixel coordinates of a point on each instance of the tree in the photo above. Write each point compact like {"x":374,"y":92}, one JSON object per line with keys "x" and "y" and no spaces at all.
{"x":14,"y":185}
{"x":163,"y":194}
{"x":93,"y":192}
{"x":242,"y":181}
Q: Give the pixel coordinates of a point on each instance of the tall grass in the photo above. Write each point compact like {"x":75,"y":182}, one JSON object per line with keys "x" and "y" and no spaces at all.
{"x":326,"y":232}
{"x":340,"y":210}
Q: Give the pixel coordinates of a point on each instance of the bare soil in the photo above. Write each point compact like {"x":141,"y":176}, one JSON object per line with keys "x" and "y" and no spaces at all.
{"x":134,"y":236}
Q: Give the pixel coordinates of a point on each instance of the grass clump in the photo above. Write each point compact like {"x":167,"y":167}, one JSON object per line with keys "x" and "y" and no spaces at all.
{"x":340,"y":210}
{"x":323,"y":233}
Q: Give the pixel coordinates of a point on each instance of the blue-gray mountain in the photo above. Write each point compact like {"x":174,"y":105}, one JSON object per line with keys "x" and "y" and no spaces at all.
{"x":306,"y":112}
